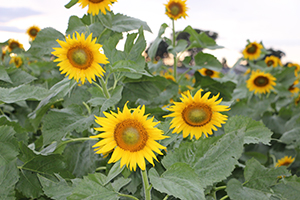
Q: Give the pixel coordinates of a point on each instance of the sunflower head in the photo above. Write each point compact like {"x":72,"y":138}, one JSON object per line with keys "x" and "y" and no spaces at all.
{"x":209,"y":72}
{"x":33,"y":31}
{"x":293,"y":89}
{"x":17,"y":60}
{"x":252,"y":51}
{"x":272,"y":61}
{"x":175,"y":9}
{"x":79,"y":58}
{"x":196,"y":115}
{"x":297,"y":69}
{"x":130,"y":136}
{"x":260,"y":82}
{"x":169,"y":76}
{"x":14,"y":44}
{"x":285,"y":161}
{"x":94,"y":6}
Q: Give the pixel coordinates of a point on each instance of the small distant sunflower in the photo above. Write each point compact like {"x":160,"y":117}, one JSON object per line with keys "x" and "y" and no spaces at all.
{"x":285,"y":161}
{"x":79,"y":57}
{"x":130,"y":136}
{"x":209,"y":72}
{"x":169,"y":76}
{"x":4,"y":49}
{"x":294,"y":89}
{"x":17,"y":60}
{"x":96,"y":5}
{"x":272,"y":61}
{"x":175,"y":9}
{"x":33,"y":31}
{"x":13,"y":44}
{"x":252,"y":51}
{"x":297,"y":100}
{"x":196,"y":115}
{"x":247,"y":71}
{"x":297,"y":68}
{"x":260,"y":82}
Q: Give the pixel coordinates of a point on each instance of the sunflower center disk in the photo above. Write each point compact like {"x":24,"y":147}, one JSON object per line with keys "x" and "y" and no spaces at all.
{"x":209,"y":72}
{"x":14,"y":45}
{"x":80,"y":57}
{"x":33,"y":32}
{"x":175,"y":9}
{"x":252,"y":49}
{"x":261,"y":81}
{"x":269,"y":63}
{"x":96,"y":1}
{"x":130,"y":135}
{"x":197,"y":115}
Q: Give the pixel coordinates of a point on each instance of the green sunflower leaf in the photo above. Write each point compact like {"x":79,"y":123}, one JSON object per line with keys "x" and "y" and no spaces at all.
{"x":213,"y":158}
{"x":77,"y":24}
{"x":44,"y":42}
{"x":57,"y":123}
{"x":22,"y":92}
{"x":20,"y":77}
{"x":93,"y":187}
{"x":4,"y":75}
{"x":205,"y":60}
{"x":8,"y":178}
{"x":71,"y":3}
{"x":260,"y":178}
{"x":8,"y":145}
{"x":236,"y":191}
{"x":180,"y":181}
{"x":153,"y":48}
{"x":58,"y":190}
{"x":255,"y":131}
{"x":288,"y":189}
{"x":21,"y":134}
{"x":121,"y":23}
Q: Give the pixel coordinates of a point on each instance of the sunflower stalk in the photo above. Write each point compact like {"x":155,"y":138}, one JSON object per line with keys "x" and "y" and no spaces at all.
{"x":225,"y":197}
{"x":104,"y":87}
{"x":173,"y":43}
{"x":128,"y":196}
{"x":147,"y":187}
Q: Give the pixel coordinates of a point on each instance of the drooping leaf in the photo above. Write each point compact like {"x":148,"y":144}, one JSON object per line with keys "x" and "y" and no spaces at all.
{"x":121,"y":23}
{"x":205,"y":60}
{"x":213,"y":159}
{"x":255,"y":131}
{"x":58,"y":190}
{"x":20,"y":77}
{"x":4,"y":75}
{"x":92,"y":187}
{"x":236,"y":191}
{"x":57,"y":123}
{"x":76,"y":24}
{"x":154,"y":45}
{"x":8,"y":178}
{"x":8,"y":145}
{"x":29,"y":184}
{"x":45,"y":41}
{"x":20,"y":133}
{"x":22,"y":92}
{"x":180,"y":181}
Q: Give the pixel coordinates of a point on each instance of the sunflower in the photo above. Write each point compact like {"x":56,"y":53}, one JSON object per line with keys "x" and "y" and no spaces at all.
{"x":297,"y":69}
{"x":252,"y":51}
{"x":13,"y":44}
{"x":79,"y":57}
{"x":260,"y":82}
{"x":297,"y":100}
{"x":294,"y":89}
{"x":33,"y":31}
{"x":175,"y":9}
{"x":210,"y":73}
{"x":196,"y":115}
{"x":272,"y":61}
{"x":17,"y":60}
{"x":247,"y":71}
{"x":285,"y":161}
{"x":130,"y":136}
{"x":169,"y":76}
{"x":96,"y":5}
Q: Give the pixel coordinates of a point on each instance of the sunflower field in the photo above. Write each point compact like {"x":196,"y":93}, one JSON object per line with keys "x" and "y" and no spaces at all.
{"x":82,"y":119}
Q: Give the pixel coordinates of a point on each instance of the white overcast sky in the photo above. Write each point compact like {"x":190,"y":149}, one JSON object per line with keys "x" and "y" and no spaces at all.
{"x":274,"y":22}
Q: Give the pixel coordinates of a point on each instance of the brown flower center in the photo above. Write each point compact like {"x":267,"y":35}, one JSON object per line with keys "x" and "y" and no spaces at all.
{"x":197,"y":114}
{"x":252,"y":49}
{"x":96,"y":1}
{"x":291,"y":88}
{"x":285,"y":163}
{"x":33,"y":32}
{"x":209,"y":72}
{"x":270,"y":63}
{"x":175,"y":9}
{"x":261,"y":81}
{"x":14,"y":45}
{"x":80,"y":57}
{"x":130,"y":135}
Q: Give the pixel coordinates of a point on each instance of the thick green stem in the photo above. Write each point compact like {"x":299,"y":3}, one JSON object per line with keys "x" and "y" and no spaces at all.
{"x":225,"y":197}
{"x":87,"y":107}
{"x":166,"y":197}
{"x":147,"y":187}
{"x":173,"y":43}
{"x":104,"y":86}
{"x":100,"y":168}
{"x":220,"y":188}
{"x":128,"y":196}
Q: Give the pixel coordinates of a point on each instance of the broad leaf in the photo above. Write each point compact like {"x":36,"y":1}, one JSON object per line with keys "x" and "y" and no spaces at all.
{"x":205,"y":60}
{"x":8,"y":145}
{"x":8,"y":178}
{"x":180,"y":181}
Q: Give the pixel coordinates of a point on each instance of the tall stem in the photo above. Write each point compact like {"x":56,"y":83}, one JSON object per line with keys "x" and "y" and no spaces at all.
{"x":147,"y":187}
{"x":173,"y":44}
{"x":104,"y":87}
